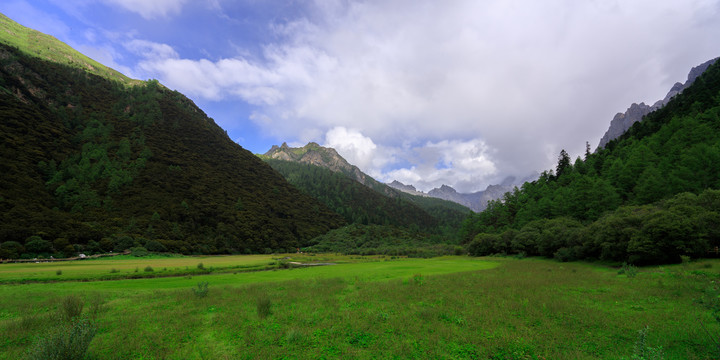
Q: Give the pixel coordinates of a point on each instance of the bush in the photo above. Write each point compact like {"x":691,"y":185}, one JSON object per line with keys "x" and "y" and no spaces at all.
{"x":629,"y":270}
{"x":36,"y":245}
{"x":69,"y":341}
{"x":148,"y":268}
{"x":201,"y":266}
{"x":263,"y":306}
{"x":155,"y":246}
{"x":123,"y":243}
{"x":11,"y":250}
{"x":201,"y":290}
{"x":70,"y":308}
{"x":565,"y":254}
{"x":139,"y":251}
{"x":58,"y":272}
{"x":483,"y":244}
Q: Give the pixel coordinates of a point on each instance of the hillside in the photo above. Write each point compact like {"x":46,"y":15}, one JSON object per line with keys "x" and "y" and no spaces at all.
{"x":623,"y":121}
{"x":650,"y":196}
{"x":46,"y":47}
{"x":314,"y":154}
{"x":355,"y":202}
{"x":322,"y":173}
{"x":92,"y":165}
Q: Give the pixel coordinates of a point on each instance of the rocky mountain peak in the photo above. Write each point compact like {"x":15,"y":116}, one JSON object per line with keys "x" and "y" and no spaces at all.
{"x":623,"y":121}
{"x":317,"y":155}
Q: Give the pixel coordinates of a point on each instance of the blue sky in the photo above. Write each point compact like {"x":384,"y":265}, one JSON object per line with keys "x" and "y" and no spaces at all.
{"x":460,"y":92}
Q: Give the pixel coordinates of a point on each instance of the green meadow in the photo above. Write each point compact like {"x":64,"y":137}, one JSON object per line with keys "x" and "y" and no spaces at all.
{"x":262,"y":307}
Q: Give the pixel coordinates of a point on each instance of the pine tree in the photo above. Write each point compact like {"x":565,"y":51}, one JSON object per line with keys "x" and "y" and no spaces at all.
{"x":563,"y":163}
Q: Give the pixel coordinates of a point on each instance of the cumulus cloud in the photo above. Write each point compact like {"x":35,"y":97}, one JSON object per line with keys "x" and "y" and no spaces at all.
{"x":465,"y":92}
{"x":150,"y":9}
{"x":462,"y":164}
{"x":358,"y":149}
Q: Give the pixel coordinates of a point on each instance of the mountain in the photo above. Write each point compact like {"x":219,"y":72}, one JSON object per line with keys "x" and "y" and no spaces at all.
{"x":43,"y":46}
{"x":317,"y":155}
{"x":357,"y":203}
{"x":476,"y":201}
{"x":623,"y":121}
{"x":322,"y":173}
{"x":406,"y":188}
{"x":93,"y":162}
{"x":651,"y":196}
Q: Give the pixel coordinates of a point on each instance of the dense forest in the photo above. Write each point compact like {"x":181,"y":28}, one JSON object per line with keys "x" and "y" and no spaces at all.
{"x":94,"y":165}
{"x":647,"y":197}
{"x":362,"y":239}
{"x":357,"y":203}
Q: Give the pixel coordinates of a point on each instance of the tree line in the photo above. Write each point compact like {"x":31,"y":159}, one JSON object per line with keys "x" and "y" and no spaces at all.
{"x":647,"y":197}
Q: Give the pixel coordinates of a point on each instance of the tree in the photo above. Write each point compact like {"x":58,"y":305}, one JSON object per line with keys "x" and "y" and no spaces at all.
{"x":563,"y":163}
{"x":587,"y":150}
{"x":36,"y":245}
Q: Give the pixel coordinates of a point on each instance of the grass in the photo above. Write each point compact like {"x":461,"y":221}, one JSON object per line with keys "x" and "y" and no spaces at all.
{"x":446,"y":308}
{"x":124,"y":267}
{"x":47,"y":47}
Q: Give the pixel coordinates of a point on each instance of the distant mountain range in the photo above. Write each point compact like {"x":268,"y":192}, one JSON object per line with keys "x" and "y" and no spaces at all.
{"x":317,"y":155}
{"x":623,"y":121}
{"x":476,"y":201}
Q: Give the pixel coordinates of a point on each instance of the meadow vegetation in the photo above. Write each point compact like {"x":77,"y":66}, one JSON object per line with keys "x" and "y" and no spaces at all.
{"x":376,"y":307}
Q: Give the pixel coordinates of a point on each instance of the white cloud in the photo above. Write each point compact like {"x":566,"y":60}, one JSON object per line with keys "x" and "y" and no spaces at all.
{"x":150,"y":9}
{"x":358,"y":149}
{"x":489,"y":88}
{"x":462,"y":164}
{"x":151,"y":50}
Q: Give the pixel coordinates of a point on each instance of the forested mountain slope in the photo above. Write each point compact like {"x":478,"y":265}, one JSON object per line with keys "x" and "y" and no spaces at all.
{"x":360,"y":204}
{"x":647,"y":197}
{"x":90,"y":164}
{"x":324,"y":174}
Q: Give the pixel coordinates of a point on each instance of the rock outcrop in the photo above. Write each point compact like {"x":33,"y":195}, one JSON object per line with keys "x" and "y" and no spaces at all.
{"x":623,"y":121}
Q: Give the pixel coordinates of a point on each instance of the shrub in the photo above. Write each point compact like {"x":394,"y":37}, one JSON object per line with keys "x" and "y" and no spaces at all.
{"x":201,"y":266}
{"x":685,"y":260}
{"x":201,"y":290}
{"x":139,"y":251}
{"x":155,"y":246}
{"x":70,"y":308}
{"x":458,"y":250}
{"x":483,"y":244}
{"x":263,"y":306}
{"x":123,"y":243}
{"x":36,"y":245}
{"x":148,"y":268}
{"x":644,"y":352}
{"x":11,"y":250}
{"x":629,"y":270}
{"x":58,"y":272}
{"x":564,"y":254}
{"x":67,"y":342}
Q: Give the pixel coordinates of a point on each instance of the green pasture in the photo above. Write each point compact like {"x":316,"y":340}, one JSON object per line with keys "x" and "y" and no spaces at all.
{"x":377,"y":308}
{"x":124,"y":266}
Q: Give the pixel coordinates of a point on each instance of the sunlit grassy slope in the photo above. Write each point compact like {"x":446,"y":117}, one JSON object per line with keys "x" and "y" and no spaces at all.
{"x":49,"y":48}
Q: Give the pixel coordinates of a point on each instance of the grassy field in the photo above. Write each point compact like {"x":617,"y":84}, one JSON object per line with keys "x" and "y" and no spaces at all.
{"x":374,"y":308}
